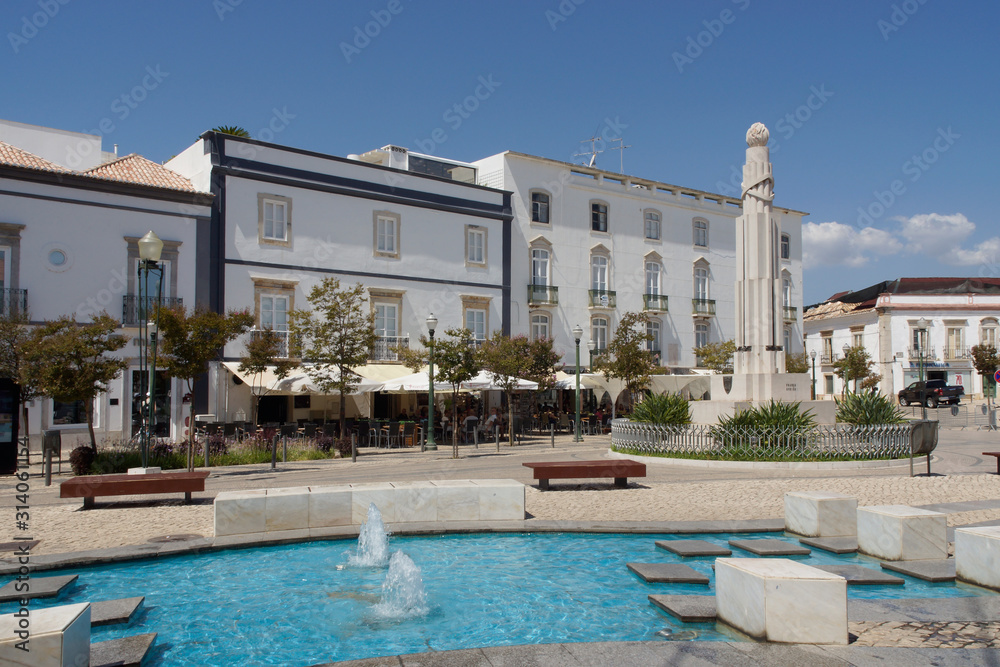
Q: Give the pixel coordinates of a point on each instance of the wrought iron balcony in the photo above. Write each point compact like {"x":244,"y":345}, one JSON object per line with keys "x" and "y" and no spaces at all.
{"x":954,"y":353}
{"x":914,"y":353}
{"x":791,"y":313}
{"x":13,"y":302}
{"x":283,"y":338}
{"x":657,"y":302}
{"x":827,"y":358}
{"x":386,"y":348}
{"x":539,"y":295}
{"x":136,"y":310}
{"x":602,"y":298}
{"x":703,"y":307}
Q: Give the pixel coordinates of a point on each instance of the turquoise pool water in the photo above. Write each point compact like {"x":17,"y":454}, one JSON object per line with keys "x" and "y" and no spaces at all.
{"x":303,"y":604}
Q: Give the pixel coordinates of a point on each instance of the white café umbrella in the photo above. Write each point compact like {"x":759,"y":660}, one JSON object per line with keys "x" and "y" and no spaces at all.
{"x":486,"y":381}
{"x":414,"y":383}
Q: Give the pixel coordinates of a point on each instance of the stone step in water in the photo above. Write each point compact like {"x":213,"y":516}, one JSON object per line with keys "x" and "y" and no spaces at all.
{"x":689,"y":548}
{"x":109,"y":612}
{"x":858,"y":575}
{"x":124,"y":652}
{"x":39,"y":587}
{"x":687,"y":608}
{"x":670,"y":573}
{"x":770,"y":547}
{"x":837,"y":545}
{"x":928,"y":570}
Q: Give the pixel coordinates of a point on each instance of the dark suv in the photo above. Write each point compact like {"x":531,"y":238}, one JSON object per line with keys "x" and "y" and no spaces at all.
{"x":938,"y":391}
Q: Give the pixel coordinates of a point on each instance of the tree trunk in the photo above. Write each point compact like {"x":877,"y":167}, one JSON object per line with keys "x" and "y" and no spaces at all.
{"x":454,"y":423}
{"x":342,"y":412}
{"x":191,"y":430}
{"x":510,"y":418}
{"x":90,"y":425}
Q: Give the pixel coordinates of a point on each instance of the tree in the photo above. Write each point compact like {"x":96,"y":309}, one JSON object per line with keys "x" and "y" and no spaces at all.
{"x":856,"y":366}
{"x":264,"y":352}
{"x":15,"y":335}
{"x":455,"y":362}
{"x":336,"y":335}
{"x":986,"y":360}
{"x":69,"y":362}
{"x":717,"y":356}
{"x":626,"y":357}
{"x":508,"y":359}
{"x":234,"y":130}
{"x":797,"y":363}
{"x":188,"y":342}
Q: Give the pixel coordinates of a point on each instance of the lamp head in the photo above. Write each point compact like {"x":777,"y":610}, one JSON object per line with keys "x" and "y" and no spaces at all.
{"x":432,"y":322}
{"x":577,"y":333}
{"x":150,"y":247}
{"x":591,"y":345}
{"x":812,"y":353}
{"x":847,"y":347}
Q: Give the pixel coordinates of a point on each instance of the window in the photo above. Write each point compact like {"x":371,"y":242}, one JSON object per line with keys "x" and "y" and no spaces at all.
{"x":274,"y":312}
{"x":653,"y":329}
{"x":475,"y":321}
{"x":919,"y":338}
{"x":539,"y":266}
{"x":598,"y":217}
{"x":786,"y":293}
{"x":828,"y":384}
{"x":274,"y":219}
{"x":475,"y":245}
{"x":599,"y":333}
{"x":700,"y":334}
{"x":786,"y":252}
{"x":827,"y":353}
{"x":988,"y":332}
{"x":274,"y":300}
{"x":69,"y":414}
{"x":540,"y":207}
{"x":787,"y":340}
{"x":539,"y":326}
{"x":652,"y":225}
{"x":386,"y":320}
{"x":858,"y":339}
{"x":956,"y":342}
{"x":701,"y":233}
{"x":599,"y":273}
{"x":701,"y":283}
{"x":653,"y":278}
{"x":386,"y":235}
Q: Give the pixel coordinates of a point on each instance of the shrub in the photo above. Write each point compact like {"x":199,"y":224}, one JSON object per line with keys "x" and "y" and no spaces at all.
{"x":324,"y":443}
{"x":344,"y":447}
{"x":663,"y":409}
{"x":766,"y":428}
{"x":81,"y":459}
{"x":868,"y":408}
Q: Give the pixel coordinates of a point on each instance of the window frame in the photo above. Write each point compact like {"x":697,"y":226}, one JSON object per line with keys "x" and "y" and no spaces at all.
{"x":658,"y":272}
{"x":702,"y":271}
{"x":700,"y":228}
{"x":541,"y":316}
{"x":263,"y":199}
{"x":600,"y":267}
{"x":646,"y":221}
{"x":785,"y":246}
{"x":386,"y":216}
{"x":654,"y":345}
{"x":547,"y":263}
{"x":75,"y":425}
{"x":547,"y":207}
{"x":599,"y":332}
{"x":597,"y":215}
{"x":475,"y":230}
{"x":701,"y":328}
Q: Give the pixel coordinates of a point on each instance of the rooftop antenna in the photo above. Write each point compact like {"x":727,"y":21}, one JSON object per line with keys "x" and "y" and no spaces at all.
{"x":592,"y":152}
{"x":621,"y":147}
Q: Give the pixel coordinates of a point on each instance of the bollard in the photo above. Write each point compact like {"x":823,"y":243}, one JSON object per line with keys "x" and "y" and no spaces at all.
{"x":475,"y":436}
{"x":423,"y":439}
{"x":552,"y":434}
{"x":354,"y":448}
{"x":206,"y":450}
{"x":274,"y":452}
{"x":48,"y":467}
{"x":496,"y":436}
{"x":284,"y":449}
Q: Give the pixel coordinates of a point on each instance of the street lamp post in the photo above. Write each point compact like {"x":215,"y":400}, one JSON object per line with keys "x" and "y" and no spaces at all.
{"x":847,"y":368}
{"x":922,"y":340}
{"x":150,"y":248}
{"x":812,"y":354}
{"x":429,"y":440}
{"x":577,"y":335}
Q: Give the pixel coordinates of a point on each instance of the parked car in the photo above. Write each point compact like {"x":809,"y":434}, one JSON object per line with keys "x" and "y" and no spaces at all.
{"x":937,"y":391}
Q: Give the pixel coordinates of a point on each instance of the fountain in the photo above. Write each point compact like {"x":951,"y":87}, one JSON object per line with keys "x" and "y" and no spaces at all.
{"x":373,"y":542}
{"x":403,"y":593}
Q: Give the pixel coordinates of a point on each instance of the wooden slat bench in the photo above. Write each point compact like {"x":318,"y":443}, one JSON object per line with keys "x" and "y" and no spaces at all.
{"x":995,"y":455}
{"x":619,"y":469}
{"x":90,"y":486}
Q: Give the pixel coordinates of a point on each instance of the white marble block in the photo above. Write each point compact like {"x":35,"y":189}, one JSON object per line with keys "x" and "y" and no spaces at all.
{"x":781,"y":600}
{"x":286,"y":509}
{"x":898,"y":532}
{"x":380,"y":493}
{"x":240,"y":512}
{"x":821,"y":514}
{"x":501,"y":500}
{"x":415,"y":501}
{"x":977,"y":555}
{"x":457,"y":500}
{"x":59,"y":637}
{"x":329,"y":506}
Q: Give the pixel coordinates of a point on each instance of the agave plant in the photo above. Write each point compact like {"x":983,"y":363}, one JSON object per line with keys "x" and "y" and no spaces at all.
{"x":663,"y":409}
{"x":868,"y":408}
{"x":771,"y":426}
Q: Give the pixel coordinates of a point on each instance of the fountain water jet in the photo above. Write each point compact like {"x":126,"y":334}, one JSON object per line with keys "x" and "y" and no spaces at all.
{"x":373,"y":542}
{"x":403,"y":594}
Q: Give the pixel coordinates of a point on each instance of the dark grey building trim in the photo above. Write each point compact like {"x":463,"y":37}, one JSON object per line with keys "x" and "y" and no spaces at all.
{"x":120,"y":207}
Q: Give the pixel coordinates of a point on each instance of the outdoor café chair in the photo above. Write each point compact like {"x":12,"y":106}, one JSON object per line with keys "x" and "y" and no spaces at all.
{"x":309,"y":431}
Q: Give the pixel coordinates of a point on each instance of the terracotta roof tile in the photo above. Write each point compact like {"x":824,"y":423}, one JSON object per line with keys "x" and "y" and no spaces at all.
{"x":16,"y":157}
{"x":134,"y":168}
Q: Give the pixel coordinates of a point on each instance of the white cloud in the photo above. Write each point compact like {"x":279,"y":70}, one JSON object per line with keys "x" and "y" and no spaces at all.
{"x":832,"y":243}
{"x":942,"y":237}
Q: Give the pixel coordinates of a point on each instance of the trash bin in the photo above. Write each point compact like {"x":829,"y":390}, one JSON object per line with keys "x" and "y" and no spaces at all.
{"x":923,"y":440}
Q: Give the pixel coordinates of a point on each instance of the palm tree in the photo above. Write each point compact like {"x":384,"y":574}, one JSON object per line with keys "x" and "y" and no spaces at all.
{"x":235,"y":130}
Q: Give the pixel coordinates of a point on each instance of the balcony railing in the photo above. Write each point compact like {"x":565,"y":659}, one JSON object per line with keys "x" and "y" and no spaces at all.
{"x":603,"y":298}
{"x":791,"y":313}
{"x":136,"y":310}
{"x":543,"y":295}
{"x":827,"y":358}
{"x":13,"y":301}
{"x":386,"y":348}
{"x":657,"y":302}
{"x":283,"y":338}
{"x":913,"y":353}
{"x":703,"y":307}
{"x":953,"y":353}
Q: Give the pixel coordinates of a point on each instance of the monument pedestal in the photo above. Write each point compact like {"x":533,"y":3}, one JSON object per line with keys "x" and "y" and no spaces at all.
{"x":785,"y":387}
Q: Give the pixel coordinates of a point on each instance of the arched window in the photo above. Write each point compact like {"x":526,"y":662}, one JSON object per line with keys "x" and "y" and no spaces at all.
{"x":599,"y":273}
{"x":539,"y":266}
{"x":653,"y":278}
{"x":701,"y":283}
{"x":988,"y":331}
{"x":540,"y":326}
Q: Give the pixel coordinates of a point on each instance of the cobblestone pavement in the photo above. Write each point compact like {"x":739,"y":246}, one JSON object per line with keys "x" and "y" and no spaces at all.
{"x":918,"y":634}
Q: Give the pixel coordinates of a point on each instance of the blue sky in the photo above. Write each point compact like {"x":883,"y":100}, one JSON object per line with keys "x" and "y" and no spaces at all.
{"x":882,"y":113}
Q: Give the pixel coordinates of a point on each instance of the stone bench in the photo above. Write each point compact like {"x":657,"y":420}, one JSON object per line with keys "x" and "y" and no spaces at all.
{"x":56,"y":637}
{"x":315,"y":507}
{"x":781,"y":600}
{"x":821,"y":514}
{"x":977,"y":555}
{"x":898,"y":532}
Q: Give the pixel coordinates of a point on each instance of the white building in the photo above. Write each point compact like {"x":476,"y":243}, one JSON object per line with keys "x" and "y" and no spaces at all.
{"x":68,"y":247}
{"x":903,"y":322}
{"x":416,"y":231}
{"x":590,"y":245}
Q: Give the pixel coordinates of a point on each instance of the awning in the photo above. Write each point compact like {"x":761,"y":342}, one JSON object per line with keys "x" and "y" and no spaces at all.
{"x":298,"y":381}
{"x":486,"y":381}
